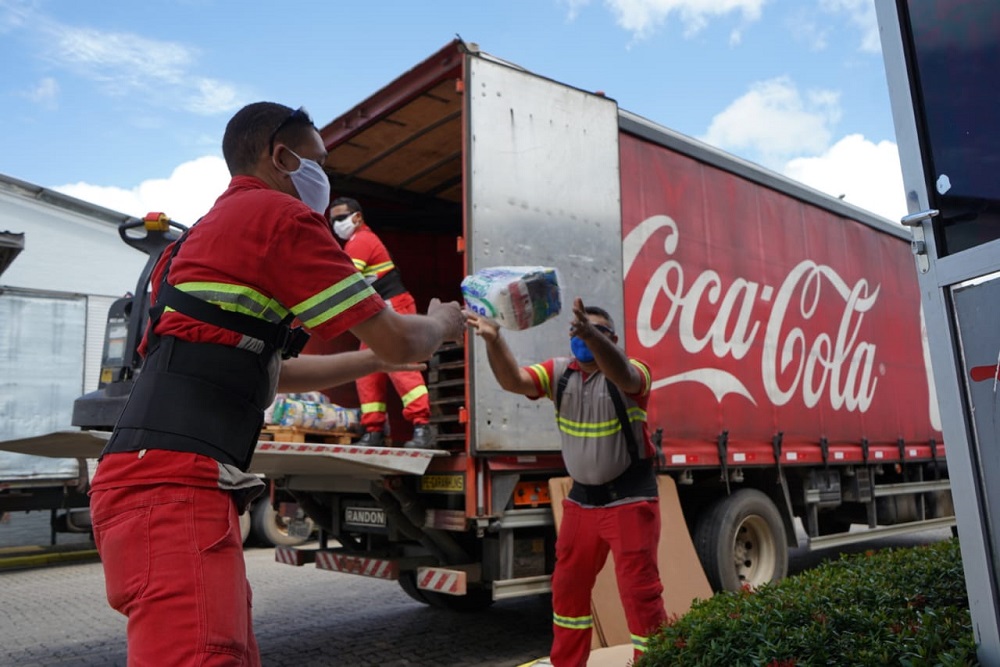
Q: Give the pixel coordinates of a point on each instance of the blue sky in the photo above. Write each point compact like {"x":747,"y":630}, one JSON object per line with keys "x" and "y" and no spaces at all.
{"x":123,"y":103}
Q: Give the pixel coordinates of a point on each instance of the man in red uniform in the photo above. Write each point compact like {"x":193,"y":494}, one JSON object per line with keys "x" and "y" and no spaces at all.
{"x":174,"y":474}
{"x":600,"y":396}
{"x":374,"y":262}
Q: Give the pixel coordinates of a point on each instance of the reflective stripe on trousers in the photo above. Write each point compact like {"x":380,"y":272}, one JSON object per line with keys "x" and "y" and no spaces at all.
{"x":630,"y":532}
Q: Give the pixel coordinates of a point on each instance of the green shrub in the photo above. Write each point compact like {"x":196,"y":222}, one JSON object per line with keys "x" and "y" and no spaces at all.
{"x":904,"y":607}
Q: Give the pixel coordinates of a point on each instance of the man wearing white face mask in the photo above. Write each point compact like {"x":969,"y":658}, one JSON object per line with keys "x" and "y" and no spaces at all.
{"x":372,"y":259}
{"x":174,"y":474}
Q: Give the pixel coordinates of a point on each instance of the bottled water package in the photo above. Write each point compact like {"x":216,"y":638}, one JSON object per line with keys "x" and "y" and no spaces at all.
{"x":517,"y":297}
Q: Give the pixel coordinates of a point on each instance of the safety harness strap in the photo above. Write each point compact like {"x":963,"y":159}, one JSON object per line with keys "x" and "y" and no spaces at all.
{"x":279,"y":336}
{"x":289,"y":340}
{"x":390,"y":284}
{"x":637,"y":481}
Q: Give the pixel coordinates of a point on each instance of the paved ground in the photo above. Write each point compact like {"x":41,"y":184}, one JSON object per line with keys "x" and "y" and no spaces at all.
{"x":303,"y":617}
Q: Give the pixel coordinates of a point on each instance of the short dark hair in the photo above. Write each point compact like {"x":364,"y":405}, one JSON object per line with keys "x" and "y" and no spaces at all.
{"x":600,"y":312}
{"x":249,"y":131}
{"x":352,"y":204}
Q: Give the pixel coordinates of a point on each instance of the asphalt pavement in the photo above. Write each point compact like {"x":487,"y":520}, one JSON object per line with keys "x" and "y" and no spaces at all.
{"x":303,"y":617}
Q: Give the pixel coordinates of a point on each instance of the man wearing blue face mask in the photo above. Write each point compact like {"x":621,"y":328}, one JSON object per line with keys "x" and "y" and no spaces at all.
{"x":600,"y":396}
{"x":174,"y":474}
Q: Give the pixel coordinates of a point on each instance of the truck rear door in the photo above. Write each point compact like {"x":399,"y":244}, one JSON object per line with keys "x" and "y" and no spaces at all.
{"x":542,"y":186}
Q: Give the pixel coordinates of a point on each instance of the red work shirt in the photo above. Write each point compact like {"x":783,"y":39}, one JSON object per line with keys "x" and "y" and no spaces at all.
{"x":368,"y":253}
{"x":276,"y":255}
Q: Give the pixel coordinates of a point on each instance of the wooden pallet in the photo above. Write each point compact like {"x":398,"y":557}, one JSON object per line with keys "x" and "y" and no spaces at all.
{"x":279,"y":433}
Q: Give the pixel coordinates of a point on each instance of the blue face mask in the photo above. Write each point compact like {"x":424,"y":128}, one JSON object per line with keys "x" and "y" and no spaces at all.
{"x":580,"y":350}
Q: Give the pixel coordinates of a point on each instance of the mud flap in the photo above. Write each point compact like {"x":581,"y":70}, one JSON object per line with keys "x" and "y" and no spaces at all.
{"x":683,"y":578}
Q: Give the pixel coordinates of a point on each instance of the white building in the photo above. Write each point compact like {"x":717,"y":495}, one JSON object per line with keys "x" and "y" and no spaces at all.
{"x":62,"y":264}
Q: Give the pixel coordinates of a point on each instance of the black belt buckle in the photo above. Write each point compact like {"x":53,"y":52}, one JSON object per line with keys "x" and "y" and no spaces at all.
{"x":295,"y":340}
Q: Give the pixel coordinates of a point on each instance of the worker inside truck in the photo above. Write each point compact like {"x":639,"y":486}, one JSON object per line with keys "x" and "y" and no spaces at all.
{"x":174,"y":474}
{"x":372,"y":259}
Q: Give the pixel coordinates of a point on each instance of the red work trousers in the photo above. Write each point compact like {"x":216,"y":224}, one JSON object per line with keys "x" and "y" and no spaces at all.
{"x":409,"y":385}
{"x":631,"y":533}
{"x":173,"y":564}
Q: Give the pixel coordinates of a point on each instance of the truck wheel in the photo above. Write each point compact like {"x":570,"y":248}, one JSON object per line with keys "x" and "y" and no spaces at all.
{"x":269,"y":529}
{"x":245,"y":526}
{"x":408,"y":582}
{"x":476,"y":599}
{"x":740,"y":540}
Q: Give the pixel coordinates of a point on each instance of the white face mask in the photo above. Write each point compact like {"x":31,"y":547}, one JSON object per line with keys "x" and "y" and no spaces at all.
{"x":311,"y":183}
{"x":345,"y":228}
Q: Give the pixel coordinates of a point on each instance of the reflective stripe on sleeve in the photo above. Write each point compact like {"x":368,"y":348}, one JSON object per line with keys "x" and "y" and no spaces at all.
{"x":647,"y":381}
{"x":333,"y":301}
{"x":543,"y":379}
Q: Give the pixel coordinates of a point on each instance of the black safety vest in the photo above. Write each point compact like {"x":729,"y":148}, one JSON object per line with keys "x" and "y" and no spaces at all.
{"x":205,"y":398}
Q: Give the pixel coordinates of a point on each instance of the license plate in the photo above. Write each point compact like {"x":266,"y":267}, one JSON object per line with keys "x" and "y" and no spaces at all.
{"x":443,"y":483}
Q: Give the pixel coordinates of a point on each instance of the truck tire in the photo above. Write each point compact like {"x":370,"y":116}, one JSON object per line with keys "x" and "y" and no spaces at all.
{"x":269,"y":529}
{"x":476,"y":599}
{"x":408,"y":582}
{"x":740,"y":540}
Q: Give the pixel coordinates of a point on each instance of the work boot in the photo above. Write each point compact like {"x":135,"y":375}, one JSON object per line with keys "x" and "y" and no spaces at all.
{"x":423,"y":438}
{"x":372,"y":439}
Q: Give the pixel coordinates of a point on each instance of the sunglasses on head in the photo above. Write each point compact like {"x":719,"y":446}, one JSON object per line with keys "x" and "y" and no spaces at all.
{"x":298,"y":113}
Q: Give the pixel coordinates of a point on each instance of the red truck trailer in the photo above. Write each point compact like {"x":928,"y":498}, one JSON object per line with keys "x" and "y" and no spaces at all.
{"x":782,"y":327}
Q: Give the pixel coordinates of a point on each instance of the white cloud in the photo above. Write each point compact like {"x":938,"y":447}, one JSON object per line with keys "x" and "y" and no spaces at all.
{"x":126,"y":64}
{"x":642,"y":17}
{"x":773,"y":122}
{"x":185,"y":195}
{"x":44,"y":93}
{"x":13,"y":14}
{"x":214,"y":97}
{"x":866,"y":174}
{"x":862,"y":14}
{"x":807,"y":29}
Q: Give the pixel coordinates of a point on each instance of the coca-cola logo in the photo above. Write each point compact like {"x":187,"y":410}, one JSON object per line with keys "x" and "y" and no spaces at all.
{"x":793,"y":358}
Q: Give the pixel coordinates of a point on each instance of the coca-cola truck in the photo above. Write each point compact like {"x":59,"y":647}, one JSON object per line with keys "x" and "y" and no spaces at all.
{"x":782,"y":328}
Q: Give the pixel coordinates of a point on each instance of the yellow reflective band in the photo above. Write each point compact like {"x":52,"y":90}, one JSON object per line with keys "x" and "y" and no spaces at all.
{"x":237,"y":299}
{"x":573,"y":623}
{"x":594,"y":430}
{"x":543,"y":377}
{"x":639,"y":643}
{"x":372,"y":407}
{"x":333,"y":301}
{"x":375,"y":269}
{"x":598,"y":429}
{"x":413,"y":394}
{"x":647,"y":381}
{"x":359,"y":264}
{"x":636,"y":414}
